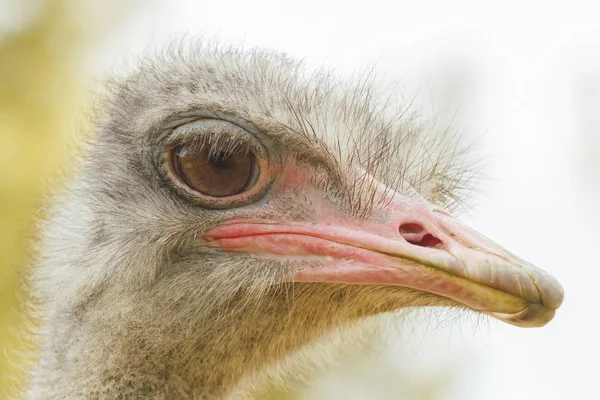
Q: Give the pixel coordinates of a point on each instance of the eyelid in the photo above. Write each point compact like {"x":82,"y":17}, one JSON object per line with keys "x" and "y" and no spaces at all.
{"x":217,"y":130}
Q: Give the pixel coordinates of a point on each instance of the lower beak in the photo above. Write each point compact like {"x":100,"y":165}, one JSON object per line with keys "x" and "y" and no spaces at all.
{"x":418,"y":247}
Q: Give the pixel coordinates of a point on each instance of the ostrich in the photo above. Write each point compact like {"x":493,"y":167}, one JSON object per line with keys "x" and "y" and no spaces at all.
{"x":232,"y":210}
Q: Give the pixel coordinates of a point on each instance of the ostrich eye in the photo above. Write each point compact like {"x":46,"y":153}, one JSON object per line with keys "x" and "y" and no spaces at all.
{"x":215,"y":174}
{"x":215,"y":163}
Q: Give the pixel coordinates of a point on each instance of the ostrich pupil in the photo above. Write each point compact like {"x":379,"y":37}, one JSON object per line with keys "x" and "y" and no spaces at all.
{"x":220,"y":160}
{"x":215,"y":175}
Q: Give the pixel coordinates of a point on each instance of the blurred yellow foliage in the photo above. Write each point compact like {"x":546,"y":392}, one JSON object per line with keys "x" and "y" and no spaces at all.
{"x":42,"y":90}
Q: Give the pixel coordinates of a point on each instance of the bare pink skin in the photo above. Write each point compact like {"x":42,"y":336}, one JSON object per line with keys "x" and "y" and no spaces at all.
{"x":409,"y":243}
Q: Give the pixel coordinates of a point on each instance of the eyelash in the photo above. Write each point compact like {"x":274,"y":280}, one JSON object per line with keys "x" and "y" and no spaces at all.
{"x":223,"y":142}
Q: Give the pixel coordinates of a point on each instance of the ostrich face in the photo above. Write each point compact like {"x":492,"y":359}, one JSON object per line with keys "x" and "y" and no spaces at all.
{"x":229,"y":195}
{"x":289,"y":207}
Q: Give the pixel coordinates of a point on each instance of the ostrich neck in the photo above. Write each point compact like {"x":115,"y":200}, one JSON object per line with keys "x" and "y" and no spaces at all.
{"x":113,"y":348}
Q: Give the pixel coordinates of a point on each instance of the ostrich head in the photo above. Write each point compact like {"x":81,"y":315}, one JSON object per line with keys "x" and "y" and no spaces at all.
{"x":232,"y":209}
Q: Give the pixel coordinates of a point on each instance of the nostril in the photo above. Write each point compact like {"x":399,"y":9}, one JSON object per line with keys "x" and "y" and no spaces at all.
{"x":415,"y":234}
{"x":411,"y":228}
{"x":429,"y":241}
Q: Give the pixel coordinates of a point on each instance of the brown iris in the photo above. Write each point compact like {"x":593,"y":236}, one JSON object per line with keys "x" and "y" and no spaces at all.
{"x":215,"y":174}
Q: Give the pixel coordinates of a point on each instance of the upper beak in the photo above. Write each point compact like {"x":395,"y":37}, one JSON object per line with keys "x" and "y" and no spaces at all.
{"x":415,"y":246}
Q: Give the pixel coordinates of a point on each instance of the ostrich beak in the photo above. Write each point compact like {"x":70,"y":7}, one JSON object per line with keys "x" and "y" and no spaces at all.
{"x":414,"y":245}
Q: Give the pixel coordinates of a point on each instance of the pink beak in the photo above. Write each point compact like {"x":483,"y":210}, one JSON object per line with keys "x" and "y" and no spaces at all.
{"x":413,"y":245}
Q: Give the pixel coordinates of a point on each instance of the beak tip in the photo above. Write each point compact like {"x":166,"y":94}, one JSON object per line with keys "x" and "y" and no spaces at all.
{"x":551,"y":291}
{"x":555,"y":297}
{"x":533,"y":316}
